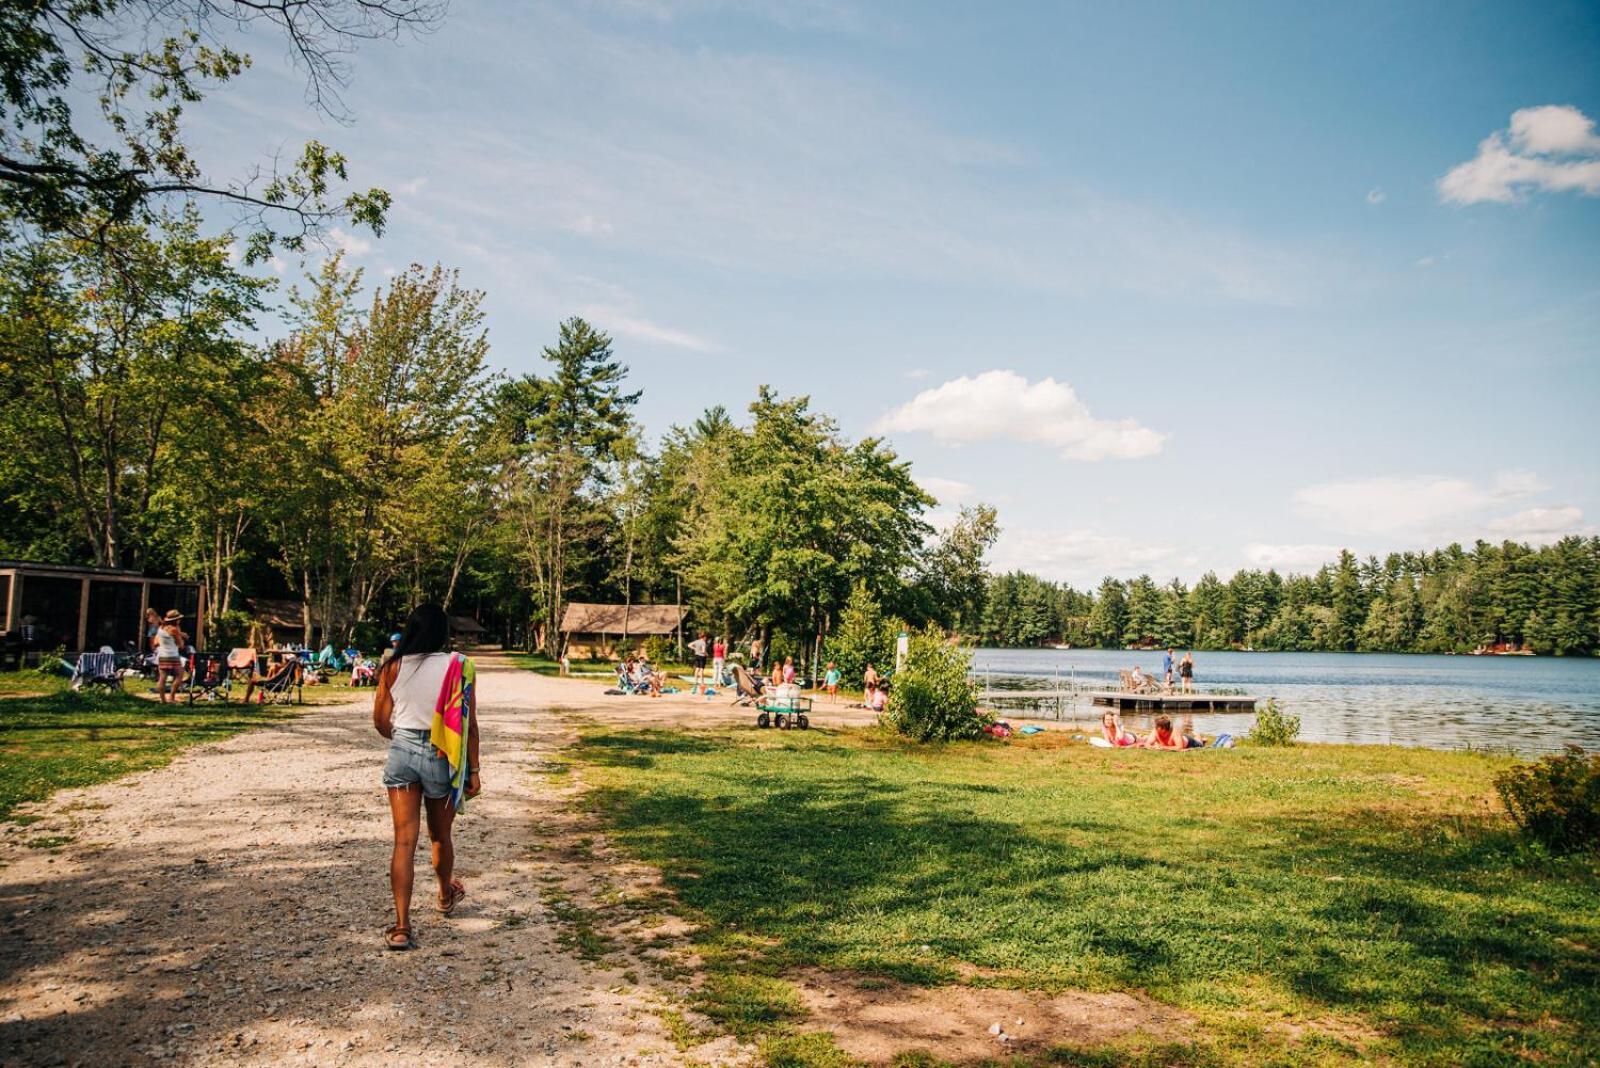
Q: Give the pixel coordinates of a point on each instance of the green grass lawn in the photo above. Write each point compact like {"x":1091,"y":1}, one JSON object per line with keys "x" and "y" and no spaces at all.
{"x":1373,"y":895}
{"x":64,"y":739}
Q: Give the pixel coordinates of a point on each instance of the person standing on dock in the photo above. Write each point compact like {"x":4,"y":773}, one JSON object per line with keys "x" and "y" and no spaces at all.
{"x":1186,"y":670}
{"x":1166,"y":668}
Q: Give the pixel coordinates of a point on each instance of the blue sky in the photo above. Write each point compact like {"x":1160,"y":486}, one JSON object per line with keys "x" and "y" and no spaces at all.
{"x":1175,"y":288}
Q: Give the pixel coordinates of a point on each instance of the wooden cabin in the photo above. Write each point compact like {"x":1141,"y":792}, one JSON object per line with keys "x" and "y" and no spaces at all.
{"x":58,"y":606}
{"x":596,"y":631}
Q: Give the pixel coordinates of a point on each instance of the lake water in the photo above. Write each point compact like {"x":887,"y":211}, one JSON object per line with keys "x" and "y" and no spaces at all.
{"x":1530,"y":704}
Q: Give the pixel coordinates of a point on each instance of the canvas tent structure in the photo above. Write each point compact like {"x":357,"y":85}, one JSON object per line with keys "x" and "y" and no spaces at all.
{"x":594,"y":631}
{"x":55,"y":606}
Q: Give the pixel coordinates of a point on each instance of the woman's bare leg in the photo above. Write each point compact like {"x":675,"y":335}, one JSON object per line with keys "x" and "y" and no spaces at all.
{"x":405,"y":806}
{"x":441,"y":817}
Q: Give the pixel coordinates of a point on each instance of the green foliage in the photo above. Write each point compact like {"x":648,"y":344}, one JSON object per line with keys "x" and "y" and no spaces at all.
{"x":773,"y":525}
{"x":231,"y":629}
{"x":660,"y":649}
{"x":565,"y":433}
{"x":863,"y":636}
{"x":1450,"y":600}
{"x":1556,"y":801}
{"x":1273,"y":728}
{"x":933,"y":699}
{"x":1370,"y":899}
{"x":143,"y":62}
{"x":952,"y":572}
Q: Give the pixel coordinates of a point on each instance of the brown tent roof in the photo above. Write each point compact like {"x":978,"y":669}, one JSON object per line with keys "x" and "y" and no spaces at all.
{"x":582,"y":618}
{"x":465,"y":625}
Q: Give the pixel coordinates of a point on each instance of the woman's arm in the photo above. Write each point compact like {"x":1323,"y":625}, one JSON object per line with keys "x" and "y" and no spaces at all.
{"x":474,"y":784}
{"x":383,"y":703}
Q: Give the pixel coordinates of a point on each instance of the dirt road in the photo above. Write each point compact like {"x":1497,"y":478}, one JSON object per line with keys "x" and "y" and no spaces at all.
{"x":228,"y":908}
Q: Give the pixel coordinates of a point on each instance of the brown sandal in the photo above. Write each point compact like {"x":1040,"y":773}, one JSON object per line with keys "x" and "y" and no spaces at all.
{"x":398,"y":937}
{"x":458,"y":890}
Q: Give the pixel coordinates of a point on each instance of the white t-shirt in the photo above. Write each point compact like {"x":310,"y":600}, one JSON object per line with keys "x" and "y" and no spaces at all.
{"x":416,"y":687}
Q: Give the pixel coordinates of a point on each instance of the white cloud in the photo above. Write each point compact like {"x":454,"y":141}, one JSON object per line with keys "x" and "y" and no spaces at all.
{"x":412,"y":187}
{"x":1376,"y":196}
{"x":277,"y":264}
{"x":1298,"y":558}
{"x":589,"y":226}
{"x":1555,"y":130}
{"x":1411,"y":506}
{"x":622,"y":324}
{"x":917,"y":374}
{"x":1084,"y":557}
{"x":352,"y":244}
{"x":1539,"y":525}
{"x":1005,"y":405}
{"x":946,"y":490}
{"x":1550,"y":149}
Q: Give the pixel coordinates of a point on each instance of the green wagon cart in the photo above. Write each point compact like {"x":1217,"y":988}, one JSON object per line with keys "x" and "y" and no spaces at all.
{"x":783,"y":712}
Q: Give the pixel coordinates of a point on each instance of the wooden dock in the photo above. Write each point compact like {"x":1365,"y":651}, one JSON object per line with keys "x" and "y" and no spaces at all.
{"x":1123,"y":700}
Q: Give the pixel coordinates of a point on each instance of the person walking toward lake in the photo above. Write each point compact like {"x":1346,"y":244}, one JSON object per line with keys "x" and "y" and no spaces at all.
{"x":169,"y":642}
{"x":426,"y":706}
{"x":1186,"y":671}
{"x":719,"y":661}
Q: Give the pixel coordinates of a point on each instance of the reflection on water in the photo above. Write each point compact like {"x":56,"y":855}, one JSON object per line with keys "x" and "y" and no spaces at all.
{"x":1530,"y":704}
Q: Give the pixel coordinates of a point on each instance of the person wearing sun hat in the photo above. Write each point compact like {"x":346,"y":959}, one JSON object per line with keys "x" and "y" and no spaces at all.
{"x":170,"y":640}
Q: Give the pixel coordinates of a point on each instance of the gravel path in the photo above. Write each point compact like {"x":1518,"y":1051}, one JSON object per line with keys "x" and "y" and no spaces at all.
{"x":228,"y":908}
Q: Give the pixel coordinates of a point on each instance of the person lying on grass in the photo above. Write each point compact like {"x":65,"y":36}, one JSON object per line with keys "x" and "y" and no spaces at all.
{"x":1164,"y":737}
{"x":417,"y":682}
{"x":1111,"y":729}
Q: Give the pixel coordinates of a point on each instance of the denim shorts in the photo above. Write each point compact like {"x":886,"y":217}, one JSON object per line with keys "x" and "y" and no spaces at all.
{"x":413,"y":761}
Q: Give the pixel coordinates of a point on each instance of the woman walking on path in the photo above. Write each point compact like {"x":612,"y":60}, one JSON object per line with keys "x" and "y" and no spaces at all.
{"x":168,"y":646}
{"x":416,"y":688}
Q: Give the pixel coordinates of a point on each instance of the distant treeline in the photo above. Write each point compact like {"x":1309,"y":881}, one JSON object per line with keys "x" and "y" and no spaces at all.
{"x":1450,"y":600}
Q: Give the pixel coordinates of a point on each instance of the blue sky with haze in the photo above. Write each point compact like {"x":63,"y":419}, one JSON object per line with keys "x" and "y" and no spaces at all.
{"x":1175,"y":288}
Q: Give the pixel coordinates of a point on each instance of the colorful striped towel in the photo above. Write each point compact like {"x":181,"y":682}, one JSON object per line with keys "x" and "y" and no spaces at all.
{"x":450,"y":723}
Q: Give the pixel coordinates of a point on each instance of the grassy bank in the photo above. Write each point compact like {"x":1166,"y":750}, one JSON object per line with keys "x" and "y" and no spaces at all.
{"x":1311,"y":904}
{"x":63,"y":739}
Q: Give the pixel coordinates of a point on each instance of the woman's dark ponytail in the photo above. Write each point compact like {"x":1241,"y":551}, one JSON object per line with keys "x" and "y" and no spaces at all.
{"x":426,"y":631}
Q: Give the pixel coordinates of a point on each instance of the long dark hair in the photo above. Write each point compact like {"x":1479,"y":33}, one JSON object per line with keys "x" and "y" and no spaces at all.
{"x":427,"y":631}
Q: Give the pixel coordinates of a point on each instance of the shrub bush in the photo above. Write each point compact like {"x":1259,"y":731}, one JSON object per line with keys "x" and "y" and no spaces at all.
{"x":660,"y":649}
{"x":932,"y":698}
{"x":1555,"y":801}
{"x":1272,"y":727}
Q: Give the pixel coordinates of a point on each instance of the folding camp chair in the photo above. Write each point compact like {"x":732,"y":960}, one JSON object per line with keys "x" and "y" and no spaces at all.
{"x":746,"y":688}
{"x":209,"y":677}
{"x":96,"y":669}
{"x":285,"y":685}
